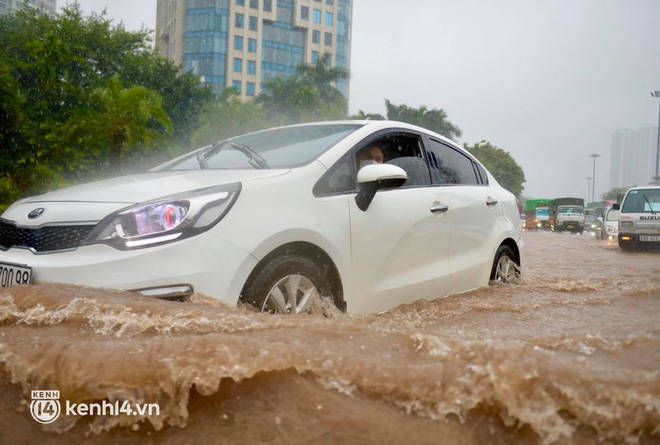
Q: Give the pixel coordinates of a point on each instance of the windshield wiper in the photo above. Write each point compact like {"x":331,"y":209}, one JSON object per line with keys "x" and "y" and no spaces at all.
{"x":255,"y":158}
{"x":648,"y":202}
{"x":202,"y":155}
{"x":253,"y":155}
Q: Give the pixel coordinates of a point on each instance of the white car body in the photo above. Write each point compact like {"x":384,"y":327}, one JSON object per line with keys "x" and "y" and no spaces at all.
{"x":395,"y":252}
{"x":639,"y":223}
{"x":609,"y":227}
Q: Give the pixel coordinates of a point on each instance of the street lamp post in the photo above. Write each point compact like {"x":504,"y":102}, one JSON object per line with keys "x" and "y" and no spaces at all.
{"x":589,"y":178}
{"x":656,"y":178}
{"x":593,"y":187}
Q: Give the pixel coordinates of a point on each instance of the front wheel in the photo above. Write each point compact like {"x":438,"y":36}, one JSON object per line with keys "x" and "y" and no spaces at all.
{"x":505,"y":268}
{"x":290,"y":284}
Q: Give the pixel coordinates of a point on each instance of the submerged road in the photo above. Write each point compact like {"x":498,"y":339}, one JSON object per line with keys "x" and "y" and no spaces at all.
{"x":571,"y":355}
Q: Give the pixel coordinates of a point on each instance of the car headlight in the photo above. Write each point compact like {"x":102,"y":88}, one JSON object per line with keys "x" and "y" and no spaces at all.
{"x":166,"y":219}
{"x":593,"y":226}
{"x":539,"y":224}
{"x":611,"y":229}
{"x":626,"y":224}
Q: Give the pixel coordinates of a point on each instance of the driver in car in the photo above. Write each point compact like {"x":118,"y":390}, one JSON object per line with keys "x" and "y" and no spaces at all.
{"x":372,"y":154}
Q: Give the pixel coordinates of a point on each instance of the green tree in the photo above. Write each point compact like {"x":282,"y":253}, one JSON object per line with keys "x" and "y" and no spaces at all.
{"x":361,"y":115}
{"x":308,"y":96}
{"x":184,"y":99}
{"x":227,"y":117}
{"x":321,"y":76}
{"x":52,"y":67}
{"x":121,"y":119}
{"x":500,"y":164}
{"x":612,"y":194}
{"x":11,"y":116}
{"x":288,"y":101}
{"x":434,"y":120}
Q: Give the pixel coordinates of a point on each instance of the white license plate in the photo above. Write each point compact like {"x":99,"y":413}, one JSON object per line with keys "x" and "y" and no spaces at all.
{"x":649,"y":238}
{"x":12,"y":275}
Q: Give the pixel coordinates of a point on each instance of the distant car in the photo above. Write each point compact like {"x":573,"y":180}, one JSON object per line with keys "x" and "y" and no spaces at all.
{"x":591,"y":222}
{"x":640,"y":218}
{"x":608,"y":224}
{"x":277,"y":217}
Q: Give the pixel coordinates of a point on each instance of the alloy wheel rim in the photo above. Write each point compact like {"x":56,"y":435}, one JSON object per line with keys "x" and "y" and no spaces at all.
{"x":292,"y":294}
{"x":506,"y":270}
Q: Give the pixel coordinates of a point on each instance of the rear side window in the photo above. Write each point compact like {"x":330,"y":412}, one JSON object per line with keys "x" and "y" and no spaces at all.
{"x":450,"y":166}
{"x":482,"y":172}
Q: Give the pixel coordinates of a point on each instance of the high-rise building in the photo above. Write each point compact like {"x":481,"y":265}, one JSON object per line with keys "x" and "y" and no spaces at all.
{"x":633,"y":157}
{"x":243,"y":43}
{"x":7,"y":6}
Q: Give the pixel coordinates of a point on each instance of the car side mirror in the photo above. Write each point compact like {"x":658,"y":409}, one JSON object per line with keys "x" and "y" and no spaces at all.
{"x":600,"y":219}
{"x":616,"y":206}
{"x":372,"y":178}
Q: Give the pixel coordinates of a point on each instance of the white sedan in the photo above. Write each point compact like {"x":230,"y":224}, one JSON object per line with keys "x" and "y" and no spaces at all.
{"x":371,"y":214}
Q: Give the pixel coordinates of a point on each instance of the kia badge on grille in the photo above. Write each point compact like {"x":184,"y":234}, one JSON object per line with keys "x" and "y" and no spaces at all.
{"x":36,"y":213}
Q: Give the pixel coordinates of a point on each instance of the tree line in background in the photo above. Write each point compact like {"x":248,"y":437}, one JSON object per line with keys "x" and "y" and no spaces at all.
{"x":81,"y":98}
{"x":614,"y":193}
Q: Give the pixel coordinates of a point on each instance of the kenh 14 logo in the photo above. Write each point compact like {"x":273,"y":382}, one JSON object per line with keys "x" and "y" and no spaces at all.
{"x":45,"y":407}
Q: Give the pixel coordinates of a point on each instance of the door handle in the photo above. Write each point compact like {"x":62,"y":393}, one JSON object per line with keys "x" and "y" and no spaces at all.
{"x":491,"y":202}
{"x":440,"y":208}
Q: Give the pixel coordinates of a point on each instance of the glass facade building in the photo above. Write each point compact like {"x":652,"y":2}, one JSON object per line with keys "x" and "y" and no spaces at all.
{"x":7,"y":6}
{"x":232,"y":43}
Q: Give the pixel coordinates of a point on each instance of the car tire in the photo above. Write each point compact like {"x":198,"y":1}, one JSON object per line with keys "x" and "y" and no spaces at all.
{"x":269,"y":289}
{"x":504,"y":255}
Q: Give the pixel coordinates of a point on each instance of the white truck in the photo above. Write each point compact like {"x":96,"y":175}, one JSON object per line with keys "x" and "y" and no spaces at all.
{"x":640,"y":218}
{"x":569,"y":215}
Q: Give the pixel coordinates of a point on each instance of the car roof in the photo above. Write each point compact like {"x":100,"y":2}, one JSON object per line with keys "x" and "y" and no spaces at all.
{"x":652,"y":187}
{"x":382,"y":124}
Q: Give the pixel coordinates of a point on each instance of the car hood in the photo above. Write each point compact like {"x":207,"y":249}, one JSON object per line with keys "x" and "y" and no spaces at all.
{"x":95,"y":200}
{"x":147,"y":186}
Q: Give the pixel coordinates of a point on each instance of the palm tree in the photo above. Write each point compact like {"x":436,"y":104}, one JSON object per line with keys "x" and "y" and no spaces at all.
{"x":122,"y":119}
{"x":310,"y":95}
{"x":288,"y":100}
{"x":321,"y":75}
{"x":434,"y":120}
{"x":361,"y":115}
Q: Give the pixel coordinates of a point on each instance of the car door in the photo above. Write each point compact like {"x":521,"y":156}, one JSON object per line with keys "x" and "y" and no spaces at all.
{"x":474,"y":213}
{"x":400,"y":244}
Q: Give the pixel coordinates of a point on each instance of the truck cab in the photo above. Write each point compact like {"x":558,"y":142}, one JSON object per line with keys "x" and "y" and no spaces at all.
{"x":543,"y":218}
{"x":569,"y":218}
{"x":640,"y":218}
{"x":569,"y":215}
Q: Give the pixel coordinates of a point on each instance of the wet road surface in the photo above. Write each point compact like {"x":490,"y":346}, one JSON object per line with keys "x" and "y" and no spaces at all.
{"x":571,"y":355}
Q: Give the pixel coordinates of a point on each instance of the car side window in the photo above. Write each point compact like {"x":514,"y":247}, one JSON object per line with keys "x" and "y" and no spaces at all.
{"x":484,"y":175}
{"x":405,"y":150}
{"x":338,"y":179}
{"x":450,"y":166}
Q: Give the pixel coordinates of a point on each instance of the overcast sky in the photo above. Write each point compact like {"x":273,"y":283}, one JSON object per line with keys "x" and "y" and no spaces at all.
{"x":549,"y":81}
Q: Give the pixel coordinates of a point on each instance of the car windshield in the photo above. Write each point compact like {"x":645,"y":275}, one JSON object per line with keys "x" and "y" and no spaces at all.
{"x":570,"y":210}
{"x":642,"y":201}
{"x":542,"y":212}
{"x":279,"y":148}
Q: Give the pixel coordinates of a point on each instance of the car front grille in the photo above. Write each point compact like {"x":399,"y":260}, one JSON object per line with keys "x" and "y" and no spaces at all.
{"x":43,"y":239}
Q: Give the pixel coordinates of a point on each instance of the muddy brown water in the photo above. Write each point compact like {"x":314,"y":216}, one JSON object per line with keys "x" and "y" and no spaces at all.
{"x":571,"y":355}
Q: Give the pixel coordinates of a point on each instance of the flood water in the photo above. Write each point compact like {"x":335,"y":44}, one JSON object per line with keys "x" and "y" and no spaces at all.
{"x":571,"y":355}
